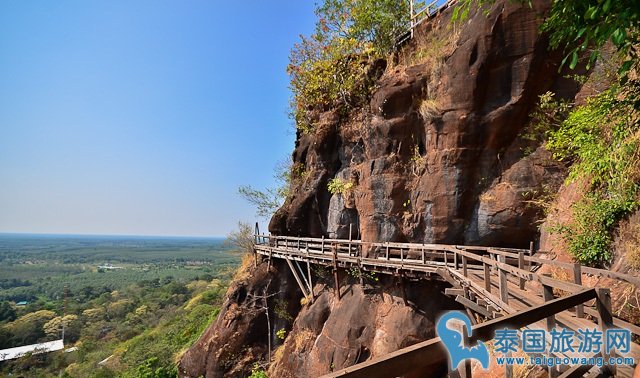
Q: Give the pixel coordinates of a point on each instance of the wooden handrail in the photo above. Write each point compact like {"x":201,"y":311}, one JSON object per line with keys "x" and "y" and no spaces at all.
{"x":508,"y":252}
{"x":428,"y":352}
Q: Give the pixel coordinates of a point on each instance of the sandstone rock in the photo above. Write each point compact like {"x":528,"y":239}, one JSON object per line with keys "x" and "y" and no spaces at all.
{"x":423,"y":177}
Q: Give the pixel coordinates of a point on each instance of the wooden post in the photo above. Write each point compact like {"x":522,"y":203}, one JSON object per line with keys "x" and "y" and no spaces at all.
{"x":455,"y":260}
{"x":487,"y":277}
{"x":465,"y":369}
{"x":350,"y":229}
{"x":309,"y":276}
{"x":404,"y":291}
{"x":504,"y":289}
{"x":508,"y":369}
{"x":577,"y":279}
{"x":411,"y":16}
{"x":547,"y":294}
{"x":322,"y":245}
{"x":446,"y":263}
{"x":401,"y":255}
{"x":521,"y":266}
{"x":424,"y":256}
{"x":335,"y":270}
{"x":605,"y":320}
{"x":464,"y":266}
{"x":387,"y":255}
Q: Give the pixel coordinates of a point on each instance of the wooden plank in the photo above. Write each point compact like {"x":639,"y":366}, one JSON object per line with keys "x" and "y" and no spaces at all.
{"x":432,"y":351}
{"x":453,"y":292}
{"x":576,"y":371}
{"x":473,"y":306}
{"x":616,"y":322}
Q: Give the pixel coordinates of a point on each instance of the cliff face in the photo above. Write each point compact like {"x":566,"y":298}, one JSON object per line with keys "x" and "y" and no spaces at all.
{"x":435,"y":157}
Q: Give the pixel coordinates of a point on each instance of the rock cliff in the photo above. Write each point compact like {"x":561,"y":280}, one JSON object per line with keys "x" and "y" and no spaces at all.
{"x":436,"y":156}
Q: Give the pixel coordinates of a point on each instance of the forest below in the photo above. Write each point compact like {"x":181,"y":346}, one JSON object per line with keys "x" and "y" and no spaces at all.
{"x":129,"y":305}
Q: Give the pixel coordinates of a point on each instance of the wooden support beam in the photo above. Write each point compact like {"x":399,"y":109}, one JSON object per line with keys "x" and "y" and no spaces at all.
{"x":547,"y":294}
{"x":453,"y":292}
{"x":297,"y":277}
{"x":487,"y":277}
{"x":605,"y":321}
{"x":503,"y":283}
{"x":577,"y":279}
{"x":468,"y":303}
{"x":465,"y":369}
{"x":432,"y":351}
{"x":521,"y":266}
{"x":464,"y":266}
{"x":576,"y":371}
{"x":310,"y":282}
{"x":336,"y":278}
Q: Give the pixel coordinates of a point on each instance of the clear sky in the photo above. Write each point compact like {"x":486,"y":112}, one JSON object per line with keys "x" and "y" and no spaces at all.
{"x":141,"y":117}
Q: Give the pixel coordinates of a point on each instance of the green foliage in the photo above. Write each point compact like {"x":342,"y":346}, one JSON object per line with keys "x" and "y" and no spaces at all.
{"x":601,"y":140}
{"x":281,"y":333}
{"x":357,"y":273}
{"x":331,"y":68}
{"x":155,"y":309}
{"x":266,"y":201}
{"x":243,"y":238}
{"x":579,"y":25}
{"x":280,"y":309}
{"x":151,"y":369}
{"x":269,"y":200}
{"x":339,"y":186}
{"x":7,"y":313}
{"x":258,"y":372}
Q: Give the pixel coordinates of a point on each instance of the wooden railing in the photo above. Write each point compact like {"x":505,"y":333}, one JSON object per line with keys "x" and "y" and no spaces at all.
{"x":492,"y":282}
{"x":419,"y":12}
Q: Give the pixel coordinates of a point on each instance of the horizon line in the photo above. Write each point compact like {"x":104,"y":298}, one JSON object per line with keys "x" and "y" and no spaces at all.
{"x":112,"y":235}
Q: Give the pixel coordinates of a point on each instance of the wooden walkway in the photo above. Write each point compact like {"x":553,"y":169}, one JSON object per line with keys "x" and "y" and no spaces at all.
{"x":497,"y":286}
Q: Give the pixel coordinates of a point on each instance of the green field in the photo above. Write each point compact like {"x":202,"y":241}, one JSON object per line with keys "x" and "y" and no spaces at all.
{"x":140,"y":300}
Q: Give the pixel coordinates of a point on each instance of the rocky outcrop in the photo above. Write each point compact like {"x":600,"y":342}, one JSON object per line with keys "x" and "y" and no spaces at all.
{"x":436,"y":157}
{"x":239,"y":336}
{"x":368,"y":321}
{"x":373,"y":317}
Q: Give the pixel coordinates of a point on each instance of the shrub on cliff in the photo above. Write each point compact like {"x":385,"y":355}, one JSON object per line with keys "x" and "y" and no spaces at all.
{"x":602,"y":141}
{"x":331,"y":68}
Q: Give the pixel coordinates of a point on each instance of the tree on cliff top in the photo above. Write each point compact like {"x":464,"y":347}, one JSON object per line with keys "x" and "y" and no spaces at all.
{"x":330,"y":68}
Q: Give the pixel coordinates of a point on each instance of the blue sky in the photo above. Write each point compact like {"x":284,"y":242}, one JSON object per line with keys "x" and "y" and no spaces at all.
{"x":141,"y":117}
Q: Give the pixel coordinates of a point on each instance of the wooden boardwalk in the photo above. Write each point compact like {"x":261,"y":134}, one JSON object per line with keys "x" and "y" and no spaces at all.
{"x":497,"y":287}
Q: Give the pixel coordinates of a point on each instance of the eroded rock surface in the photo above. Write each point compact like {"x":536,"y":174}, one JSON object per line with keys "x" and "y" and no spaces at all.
{"x":428,"y":176}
